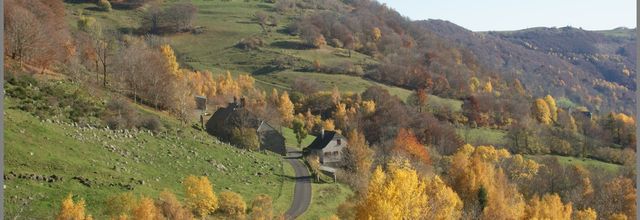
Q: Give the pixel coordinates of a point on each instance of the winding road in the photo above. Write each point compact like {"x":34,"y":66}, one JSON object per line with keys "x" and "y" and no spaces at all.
{"x":302,"y":191}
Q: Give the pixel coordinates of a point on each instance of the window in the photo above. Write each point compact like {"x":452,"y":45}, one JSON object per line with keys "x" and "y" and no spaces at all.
{"x":327,"y":154}
{"x":339,"y":141}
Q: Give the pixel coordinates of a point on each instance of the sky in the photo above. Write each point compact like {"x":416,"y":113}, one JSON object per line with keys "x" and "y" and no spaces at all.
{"x":502,"y":15}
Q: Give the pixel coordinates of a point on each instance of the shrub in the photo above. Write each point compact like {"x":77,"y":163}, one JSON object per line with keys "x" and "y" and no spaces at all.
{"x":246,"y":138}
{"x":85,"y":23}
{"x":251,"y":43}
{"x":104,"y":5}
{"x":120,"y":114}
{"x":232,"y":204}
{"x":151,"y":123}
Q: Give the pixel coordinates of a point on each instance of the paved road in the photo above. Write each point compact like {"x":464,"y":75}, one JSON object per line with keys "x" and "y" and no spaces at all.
{"x":302,"y":191}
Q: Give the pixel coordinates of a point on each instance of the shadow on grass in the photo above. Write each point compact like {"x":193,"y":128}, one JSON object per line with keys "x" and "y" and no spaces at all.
{"x":292,"y":45}
{"x":266,"y":70}
{"x":294,"y":178}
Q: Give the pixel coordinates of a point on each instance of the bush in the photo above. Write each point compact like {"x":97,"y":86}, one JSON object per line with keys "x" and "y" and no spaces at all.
{"x":251,"y":43}
{"x":85,"y":23}
{"x":58,"y":98}
{"x":246,"y":138}
{"x":232,"y":204}
{"x":120,"y":114}
{"x":150,"y":123}
{"x":104,"y":5}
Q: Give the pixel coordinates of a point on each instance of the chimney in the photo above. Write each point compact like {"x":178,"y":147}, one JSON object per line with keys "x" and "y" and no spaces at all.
{"x":235,"y":100}
{"x":321,"y":133}
{"x":242,"y":102}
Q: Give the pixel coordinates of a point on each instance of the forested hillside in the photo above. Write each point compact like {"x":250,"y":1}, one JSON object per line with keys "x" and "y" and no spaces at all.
{"x":102,"y":118}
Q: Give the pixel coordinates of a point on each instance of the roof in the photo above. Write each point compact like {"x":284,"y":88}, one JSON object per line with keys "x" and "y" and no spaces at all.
{"x":321,"y":142}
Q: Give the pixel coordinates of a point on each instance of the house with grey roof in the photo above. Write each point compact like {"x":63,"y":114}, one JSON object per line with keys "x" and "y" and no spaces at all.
{"x":235,"y":115}
{"x":328,"y":146}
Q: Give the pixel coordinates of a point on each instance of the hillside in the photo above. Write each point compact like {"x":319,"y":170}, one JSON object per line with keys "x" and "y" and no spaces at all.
{"x":105,"y":99}
{"x":51,"y":158}
{"x":594,"y":69}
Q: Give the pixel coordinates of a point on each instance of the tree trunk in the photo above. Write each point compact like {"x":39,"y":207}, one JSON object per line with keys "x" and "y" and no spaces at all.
{"x":104,"y":72}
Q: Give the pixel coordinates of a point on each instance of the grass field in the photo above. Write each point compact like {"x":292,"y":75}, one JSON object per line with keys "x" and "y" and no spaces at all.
{"x":586,"y":162}
{"x":482,"y":136}
{"x":113,"y":161}
{"x":325,"y":200}
{"x":344,"y":83}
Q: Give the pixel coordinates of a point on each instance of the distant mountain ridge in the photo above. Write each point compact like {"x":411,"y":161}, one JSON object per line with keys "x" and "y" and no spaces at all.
{"x":592,"y":68}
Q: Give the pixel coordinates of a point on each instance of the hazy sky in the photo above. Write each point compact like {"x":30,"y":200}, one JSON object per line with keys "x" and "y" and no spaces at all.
{"x":485,"y":15}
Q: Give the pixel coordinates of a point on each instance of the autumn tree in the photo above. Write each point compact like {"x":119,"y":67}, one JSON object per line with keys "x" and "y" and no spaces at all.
{"x":104,"y":5}
{"x":232,"y":204}
{"x":358,"y":157}
{"x":474,"y":83}
{"x":407,"y":143}
{"x":620,"y":195}
{"x":199,"y":195}
{"x":121,"y":204}
{"x":171,"y":208}
{"x":548,"y":207}
{"x":299,"y":130}
{"x":262,"y":208}
{"x":586,"y":214}
{"x":146,"y":210}
{"x":553,"y":107}
{"x":402,"y":194}
{"x":376,"y":34}
{"x":488,"y":87}
{"x":286,"y":108}
{"x":419,"y":99}
{"x":383,"y":200}
{"x":541,"y":111}
{"x":70,"y":210}
{"x":443,"y":202}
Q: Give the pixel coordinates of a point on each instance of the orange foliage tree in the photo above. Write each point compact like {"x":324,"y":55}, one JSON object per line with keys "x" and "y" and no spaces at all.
{"x":407,"y":143}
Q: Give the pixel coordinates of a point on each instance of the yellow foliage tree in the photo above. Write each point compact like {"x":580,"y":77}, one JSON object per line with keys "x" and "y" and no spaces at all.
{"x":548,"y":207}
{"x":121,"y":204}
{"x":170,"y":59}
{"x":541,"y":111}
{"x":399,"y":195}
{"x":368,"y":107}
{"x":618,"y":216}
{"x":553,"y":107}
{"x":246,"y":82}
{"x":69,"y":210}
{"x":286,"y":108}
{"x":329,"y":125}
{"x":340,"y":116}
{"x":443,"y":202}
{"x":262,"y":208}
{"x":199,"y":195}
{"x":232,"y":204}
{"x":146,"y":210}
{"x":586,"y":214}
{"x":357,"y":155}
{"x":474,"y":83}
{"x":376,"y":34}
{"x":228,"y":86}
{"x":488,"y":87}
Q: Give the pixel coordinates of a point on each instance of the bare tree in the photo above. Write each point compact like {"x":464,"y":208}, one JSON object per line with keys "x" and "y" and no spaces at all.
{"x":24,"y":35}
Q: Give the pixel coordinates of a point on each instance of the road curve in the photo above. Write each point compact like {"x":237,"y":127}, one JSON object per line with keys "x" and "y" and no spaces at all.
{"x":302,"y":191}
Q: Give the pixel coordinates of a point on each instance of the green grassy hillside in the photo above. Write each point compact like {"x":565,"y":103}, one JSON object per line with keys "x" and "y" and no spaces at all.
{"x":97,"y":163}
